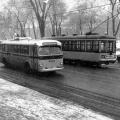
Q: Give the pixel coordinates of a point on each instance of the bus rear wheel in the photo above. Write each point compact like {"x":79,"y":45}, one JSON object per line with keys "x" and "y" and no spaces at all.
{"x":118,"y":58}
{"x":27,"y":68}
{"x":4,"y":61}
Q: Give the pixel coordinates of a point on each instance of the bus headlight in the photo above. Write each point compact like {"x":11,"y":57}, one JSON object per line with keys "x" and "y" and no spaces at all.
{"x":40,"y":66}
{"x":60,"y":64}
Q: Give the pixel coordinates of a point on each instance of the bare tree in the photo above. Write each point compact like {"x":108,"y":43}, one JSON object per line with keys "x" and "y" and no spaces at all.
{"x":83,"y":19}
{"x":41,"y":11}
{"x":114,"y":15}
{"x":56,"y":16}
{"x":19,"y":16}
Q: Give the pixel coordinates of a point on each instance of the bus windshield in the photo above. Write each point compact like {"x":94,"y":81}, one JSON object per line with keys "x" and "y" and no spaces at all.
{"x":50,"y":50}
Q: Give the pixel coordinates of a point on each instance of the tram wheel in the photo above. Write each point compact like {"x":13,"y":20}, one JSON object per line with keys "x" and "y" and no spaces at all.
{"x":27,"y":68}
{"x":98,"y":65}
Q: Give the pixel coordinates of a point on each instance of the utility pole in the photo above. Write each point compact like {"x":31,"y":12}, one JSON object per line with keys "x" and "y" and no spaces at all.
{"x":107,"y":25}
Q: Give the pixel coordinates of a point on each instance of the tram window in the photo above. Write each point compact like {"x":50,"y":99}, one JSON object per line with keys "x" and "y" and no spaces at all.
{"x":82,"y":46}
{"x":95,"y":46}
{"x":103,"y":46}
{"x":106,"y":46}
{"x":63,"y":45}
{"x":66,"y":45}
{"x":88,"y":46}
{"x":111,"y":46}
{"x":69,"y":45}
{"x":73,"y":45}
{"x":77,"y":45}
{"x":114,"y":46}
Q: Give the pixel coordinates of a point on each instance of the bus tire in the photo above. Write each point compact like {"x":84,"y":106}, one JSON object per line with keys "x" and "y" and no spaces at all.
{"x":27,"y":68}
{"x":118,"y":58}
{"x":4,"y":61}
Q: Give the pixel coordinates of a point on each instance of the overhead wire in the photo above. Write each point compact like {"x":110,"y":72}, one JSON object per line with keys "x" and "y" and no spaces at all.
{"x":105,"y":21}
{"x":114,"y":16}
{"x":72,"y":11}
{"x":99,"y":6}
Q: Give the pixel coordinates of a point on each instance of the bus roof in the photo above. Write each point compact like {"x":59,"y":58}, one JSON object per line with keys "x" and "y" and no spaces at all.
{"x":39,"y":42}
{"x":82,"y":37}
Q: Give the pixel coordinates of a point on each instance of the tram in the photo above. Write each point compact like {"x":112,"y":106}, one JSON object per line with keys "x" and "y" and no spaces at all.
{"x":90,"y":49}
{"x":39,"y":55}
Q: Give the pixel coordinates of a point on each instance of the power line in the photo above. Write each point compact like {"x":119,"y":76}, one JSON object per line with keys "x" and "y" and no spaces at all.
{"x":99,"y":6}
{"x":105,"y":21}
{"x":90,"y":8}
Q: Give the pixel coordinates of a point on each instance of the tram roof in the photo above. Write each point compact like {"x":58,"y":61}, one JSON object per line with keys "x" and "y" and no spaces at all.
{"x":89,"y":37}
{"x":40,"y":42}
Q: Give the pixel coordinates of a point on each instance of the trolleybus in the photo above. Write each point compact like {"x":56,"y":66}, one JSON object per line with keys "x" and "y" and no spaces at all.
{"x":38,"y":55}
{"x":93,"y":49}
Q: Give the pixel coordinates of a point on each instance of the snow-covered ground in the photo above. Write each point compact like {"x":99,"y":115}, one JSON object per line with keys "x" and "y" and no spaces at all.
{"x":20,"y":103}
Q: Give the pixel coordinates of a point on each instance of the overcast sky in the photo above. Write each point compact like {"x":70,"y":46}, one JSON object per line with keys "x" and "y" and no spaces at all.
{"x":2,"y":4}
{"x":70,"y":3}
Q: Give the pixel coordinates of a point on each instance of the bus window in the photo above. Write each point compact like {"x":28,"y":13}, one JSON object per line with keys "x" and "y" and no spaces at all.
{"x":50,"y":50}
{"x":0,"y":46}
{"x":35,"y":51}
{"x":55,"y":50}
{"x":3,"y":47}
{"x":24,"y":49}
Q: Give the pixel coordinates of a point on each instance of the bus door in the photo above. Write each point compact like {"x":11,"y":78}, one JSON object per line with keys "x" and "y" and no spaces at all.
{"x":35,"y":58}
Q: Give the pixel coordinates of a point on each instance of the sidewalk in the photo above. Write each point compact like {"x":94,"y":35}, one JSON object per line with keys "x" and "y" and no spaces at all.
{"x":20,"y":103}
